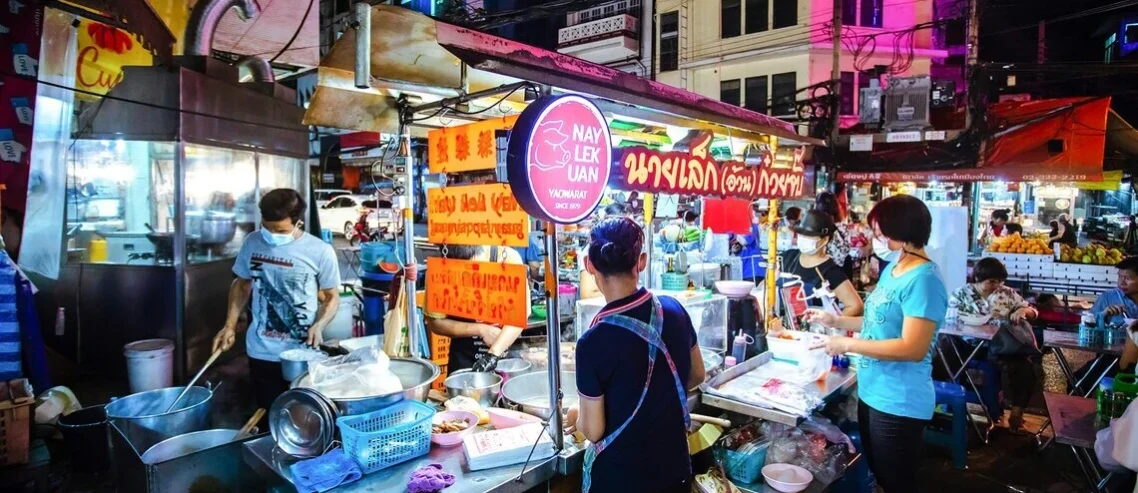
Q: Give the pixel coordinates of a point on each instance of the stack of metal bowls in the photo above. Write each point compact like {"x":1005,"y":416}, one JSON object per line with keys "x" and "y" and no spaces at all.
{"x":303,"y":422}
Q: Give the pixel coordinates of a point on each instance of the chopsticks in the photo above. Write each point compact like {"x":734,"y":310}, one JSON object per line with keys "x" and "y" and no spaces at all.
{"x":249,"y":425}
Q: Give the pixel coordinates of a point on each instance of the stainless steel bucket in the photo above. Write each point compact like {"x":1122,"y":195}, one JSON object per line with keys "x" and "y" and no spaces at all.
{"x":172,"y":448}
{"x":143,"y":419}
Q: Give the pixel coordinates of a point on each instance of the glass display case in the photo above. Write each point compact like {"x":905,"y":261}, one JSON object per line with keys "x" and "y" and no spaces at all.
{"x":121,"y":199}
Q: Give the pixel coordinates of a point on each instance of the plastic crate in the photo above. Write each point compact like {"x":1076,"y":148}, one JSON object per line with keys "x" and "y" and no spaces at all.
{"x":15,"y":421}
{"x":388,"y":436}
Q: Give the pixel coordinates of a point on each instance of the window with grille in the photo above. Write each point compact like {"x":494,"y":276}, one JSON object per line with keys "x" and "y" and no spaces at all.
{"x":755,"y":92}
{"x":669,"y":41}
{"x":729,"y":91}
{"x":730,"y":20}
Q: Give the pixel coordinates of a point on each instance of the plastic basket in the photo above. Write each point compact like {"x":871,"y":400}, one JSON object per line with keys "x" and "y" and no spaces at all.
{"x":388,"y":436}
{"x":744,"y":467}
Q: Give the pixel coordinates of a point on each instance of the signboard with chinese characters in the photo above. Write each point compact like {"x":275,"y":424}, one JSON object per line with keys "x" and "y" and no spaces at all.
{"x":774,"y":175}
{"x":488,"y":292}
{"x":476,"y":215}
{"x":470,"y":147}
{"x":103,"y":52}
{"x":559,"y":157}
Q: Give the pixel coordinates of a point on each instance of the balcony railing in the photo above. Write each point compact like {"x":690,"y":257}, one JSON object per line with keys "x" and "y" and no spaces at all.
{"x":617,"y":25}
{"x":603,"y":11}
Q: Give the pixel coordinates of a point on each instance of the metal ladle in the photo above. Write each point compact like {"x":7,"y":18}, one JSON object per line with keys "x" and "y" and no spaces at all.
{"x":212,"y":358}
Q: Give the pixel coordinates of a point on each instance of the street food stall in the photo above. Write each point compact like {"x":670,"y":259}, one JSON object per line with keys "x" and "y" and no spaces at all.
{"x":545,"y":121}
{"x":149,"y":222}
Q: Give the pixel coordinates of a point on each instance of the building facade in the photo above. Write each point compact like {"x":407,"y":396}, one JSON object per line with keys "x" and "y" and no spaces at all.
{"x":764,"y":54}
{"x":617,"y":34}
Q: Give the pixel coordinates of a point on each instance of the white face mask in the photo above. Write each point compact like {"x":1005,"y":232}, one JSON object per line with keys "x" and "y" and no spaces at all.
{"x":883,"y":252}
{"x":807,"y":244}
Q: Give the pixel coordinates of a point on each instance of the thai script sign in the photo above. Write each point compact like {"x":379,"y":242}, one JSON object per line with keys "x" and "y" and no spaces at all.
{"x":476,"y":215}
{"x":489,"y":292}
{"x":772,"y":174}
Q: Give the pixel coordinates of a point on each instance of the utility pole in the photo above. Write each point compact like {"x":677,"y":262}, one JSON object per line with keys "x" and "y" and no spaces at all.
{"x":973,"y":40}
{"x":836,"y":72}
{"x":972,"y":57}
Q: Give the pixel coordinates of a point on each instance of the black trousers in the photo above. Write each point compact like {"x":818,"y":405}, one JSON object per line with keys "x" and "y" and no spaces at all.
{"x":267,"y":382}
{"x":893,"y":448}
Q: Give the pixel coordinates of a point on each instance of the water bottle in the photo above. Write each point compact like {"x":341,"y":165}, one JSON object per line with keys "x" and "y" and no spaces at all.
{"x":739,"y":348}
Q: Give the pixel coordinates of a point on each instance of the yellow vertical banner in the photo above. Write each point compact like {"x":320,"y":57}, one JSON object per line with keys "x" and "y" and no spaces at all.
{"x":470,"y":147}
{"x":103,"y":52}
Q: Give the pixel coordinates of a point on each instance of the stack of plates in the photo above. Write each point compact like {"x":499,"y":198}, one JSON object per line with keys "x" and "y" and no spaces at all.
{"x":303,"y":422}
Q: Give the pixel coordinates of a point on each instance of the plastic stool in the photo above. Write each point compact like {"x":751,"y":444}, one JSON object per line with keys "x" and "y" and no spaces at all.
{"x":990,"y":389}
{"x":952,"y":395}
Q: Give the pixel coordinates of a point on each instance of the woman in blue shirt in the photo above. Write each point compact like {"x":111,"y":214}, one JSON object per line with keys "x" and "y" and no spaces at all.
{"x":634,"y":366}
{"x":901,"y":319}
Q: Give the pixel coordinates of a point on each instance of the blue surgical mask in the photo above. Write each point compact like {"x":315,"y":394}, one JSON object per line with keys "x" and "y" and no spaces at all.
{"x":279,"y":239}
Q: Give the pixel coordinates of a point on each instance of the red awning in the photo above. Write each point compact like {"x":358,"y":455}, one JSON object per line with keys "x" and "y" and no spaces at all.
{"x":1046,"y":140}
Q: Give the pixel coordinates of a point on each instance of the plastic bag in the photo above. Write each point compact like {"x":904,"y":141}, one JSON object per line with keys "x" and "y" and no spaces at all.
{"x":364,"y":372}
{"x":823,"y":426}
{"x":810,"y":451}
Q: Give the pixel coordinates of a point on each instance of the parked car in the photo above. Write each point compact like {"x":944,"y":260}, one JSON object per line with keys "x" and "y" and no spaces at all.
{"x":323,"y":196}
{"x":341,"y":213}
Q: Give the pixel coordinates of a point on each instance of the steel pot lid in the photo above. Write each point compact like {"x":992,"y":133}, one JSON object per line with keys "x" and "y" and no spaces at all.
{"x":302,"y":422}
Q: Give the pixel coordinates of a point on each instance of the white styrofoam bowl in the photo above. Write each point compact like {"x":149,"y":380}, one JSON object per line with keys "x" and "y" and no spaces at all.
{"x":787,"y":478}
{"x":734,"y":289}
{"x":972,"y":319}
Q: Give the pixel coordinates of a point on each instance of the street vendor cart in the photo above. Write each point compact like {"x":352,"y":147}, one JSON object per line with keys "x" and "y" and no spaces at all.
{"x":473,"y":96}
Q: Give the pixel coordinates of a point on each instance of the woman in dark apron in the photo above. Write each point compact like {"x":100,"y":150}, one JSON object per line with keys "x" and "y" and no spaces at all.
{"x":634,"y":366}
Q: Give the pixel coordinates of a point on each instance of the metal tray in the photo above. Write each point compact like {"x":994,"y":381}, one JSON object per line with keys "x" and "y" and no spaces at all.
{"x":836,"y":383}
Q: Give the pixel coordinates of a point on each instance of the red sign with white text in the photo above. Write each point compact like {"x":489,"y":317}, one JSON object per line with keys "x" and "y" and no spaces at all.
{"x":694,"y":171}
{"x":559,"y":158}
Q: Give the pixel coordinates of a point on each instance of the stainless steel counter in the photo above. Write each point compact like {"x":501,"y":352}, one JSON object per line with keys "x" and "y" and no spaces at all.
{"x":272,"y":465}
{"x":837,"y":382}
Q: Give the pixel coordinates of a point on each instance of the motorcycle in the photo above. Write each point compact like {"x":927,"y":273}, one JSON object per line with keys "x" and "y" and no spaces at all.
{"x":361,"y":233}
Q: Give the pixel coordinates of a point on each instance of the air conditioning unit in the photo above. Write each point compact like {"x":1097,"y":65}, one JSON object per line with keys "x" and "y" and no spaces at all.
{"x":907,"y":103}
{"x":869,"y":104}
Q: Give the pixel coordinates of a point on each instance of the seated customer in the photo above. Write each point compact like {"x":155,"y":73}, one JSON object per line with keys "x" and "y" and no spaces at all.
{"x":1120,"y":303}
{"x":987,"y":295}
{"x":1052,"y":310}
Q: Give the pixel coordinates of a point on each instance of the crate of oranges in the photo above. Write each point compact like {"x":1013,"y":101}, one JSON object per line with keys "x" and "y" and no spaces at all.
{"x":1015,"y":243}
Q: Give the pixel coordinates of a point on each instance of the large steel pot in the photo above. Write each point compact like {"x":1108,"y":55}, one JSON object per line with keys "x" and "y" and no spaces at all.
{"x":218,"y":228}
{"x":414,"y":374}
{"x":172,"y":448}
{"x":143,"y":419}
{"x":530,"y":392}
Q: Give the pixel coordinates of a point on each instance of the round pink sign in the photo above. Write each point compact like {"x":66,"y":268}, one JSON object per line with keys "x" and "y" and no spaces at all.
{"x":559,"y":158}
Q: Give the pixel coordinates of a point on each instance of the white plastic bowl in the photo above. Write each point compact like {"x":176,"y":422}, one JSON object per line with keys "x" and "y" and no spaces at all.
{"x":787,"y":478}
{"x":453,"y":438}
{"x":973,"y":320}
{"x":734,"y":289}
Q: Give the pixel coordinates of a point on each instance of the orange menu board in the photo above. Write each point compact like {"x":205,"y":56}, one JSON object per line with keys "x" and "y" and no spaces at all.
{"x":489,"y":292}
{"x":470,"y":147}
{"x":476,"y":215}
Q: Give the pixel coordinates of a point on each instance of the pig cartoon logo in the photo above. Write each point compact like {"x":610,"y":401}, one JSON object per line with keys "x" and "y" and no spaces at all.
{"x":550,"y":151}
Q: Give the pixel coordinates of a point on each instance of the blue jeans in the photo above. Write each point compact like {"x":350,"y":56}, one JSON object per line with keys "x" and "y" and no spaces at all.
{"x":892,"y":446}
